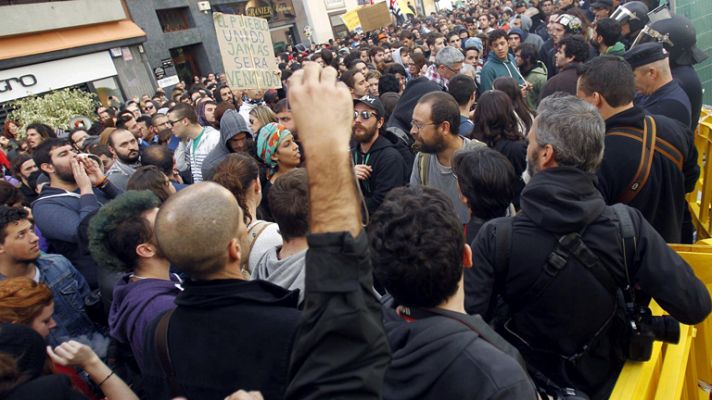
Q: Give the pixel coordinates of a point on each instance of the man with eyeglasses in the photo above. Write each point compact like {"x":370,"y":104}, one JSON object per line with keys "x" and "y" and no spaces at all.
{"x":378,"y":165}
{"x":196,"y":141}
{"x":448,"y":63}
{"x":435,"y":126}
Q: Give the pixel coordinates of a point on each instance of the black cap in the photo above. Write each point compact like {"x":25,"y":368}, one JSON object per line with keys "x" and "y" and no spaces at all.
{"x":372,"y":102}
{"x":602,"y":4}
{"x":645,"y":54}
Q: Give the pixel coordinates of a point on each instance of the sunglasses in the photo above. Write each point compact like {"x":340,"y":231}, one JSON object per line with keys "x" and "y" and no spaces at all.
{"x":364,"y":114}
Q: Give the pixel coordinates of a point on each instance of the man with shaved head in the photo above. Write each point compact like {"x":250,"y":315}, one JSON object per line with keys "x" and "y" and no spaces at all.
{"x":226,"y":333}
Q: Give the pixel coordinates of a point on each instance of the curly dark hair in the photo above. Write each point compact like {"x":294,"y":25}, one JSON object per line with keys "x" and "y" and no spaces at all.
{"x":9,"y":215}
{"x":487,"y":179}
{"x":416,"y":245}
{"x":118,"y":227}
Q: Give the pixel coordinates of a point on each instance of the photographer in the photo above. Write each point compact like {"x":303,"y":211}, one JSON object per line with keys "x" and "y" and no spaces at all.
{"x":558,"y":265}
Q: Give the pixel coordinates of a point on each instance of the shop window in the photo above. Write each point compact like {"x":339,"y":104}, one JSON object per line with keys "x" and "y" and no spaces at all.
{"x":174,"y":19}
{"x":104,"y":88}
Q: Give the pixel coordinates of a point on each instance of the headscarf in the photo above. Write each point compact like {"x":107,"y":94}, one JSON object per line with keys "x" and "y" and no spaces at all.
{"x":268,"y":141}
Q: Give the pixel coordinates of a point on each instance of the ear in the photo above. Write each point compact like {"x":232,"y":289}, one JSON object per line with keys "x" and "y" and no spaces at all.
{"x":47,"y":168}
{"x":467,"y":256}
{"x":547,"y":157}
{"x":111,"y":149}
{"x":146,"y":250}
{"x":258,"y":185}
{"x":380,"y":123}
{"x":233,"y":250}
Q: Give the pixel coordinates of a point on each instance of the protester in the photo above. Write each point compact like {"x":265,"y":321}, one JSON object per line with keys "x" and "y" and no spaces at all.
{"x":463,"y":90}
{"x":500,"y":62}
{"x":196,"y":141}
{"x":126,"y":151}
{"x":235,"y":136}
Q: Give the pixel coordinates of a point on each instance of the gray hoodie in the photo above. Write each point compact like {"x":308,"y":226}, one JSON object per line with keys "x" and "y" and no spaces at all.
{"x":287,"y":273}
{"x":231,"y":124}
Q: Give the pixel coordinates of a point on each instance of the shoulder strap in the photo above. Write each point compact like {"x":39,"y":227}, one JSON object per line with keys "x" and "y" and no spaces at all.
{"x":423,"y":165}
{"x":252,"y":234}
{"x":627,"y":231}
{"x":648,"y":141}
{"x":164,"y":353}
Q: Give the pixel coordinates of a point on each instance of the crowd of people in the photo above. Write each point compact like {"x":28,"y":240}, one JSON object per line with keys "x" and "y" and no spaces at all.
{"x":474,"y":204}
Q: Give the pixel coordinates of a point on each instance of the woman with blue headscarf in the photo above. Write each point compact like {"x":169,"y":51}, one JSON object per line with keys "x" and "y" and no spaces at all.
{"x":279,"y":153}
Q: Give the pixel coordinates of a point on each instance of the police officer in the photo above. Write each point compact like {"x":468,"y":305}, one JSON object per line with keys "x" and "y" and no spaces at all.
{"x":658,"y":93}
{"x":678,"y":36}
{"x":633,"y":16}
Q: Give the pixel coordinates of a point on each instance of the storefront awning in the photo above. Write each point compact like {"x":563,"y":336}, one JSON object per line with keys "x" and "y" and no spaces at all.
{"x":62,"y":39}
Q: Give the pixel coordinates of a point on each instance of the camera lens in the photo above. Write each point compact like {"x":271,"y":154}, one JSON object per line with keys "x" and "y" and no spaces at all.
{"x":665,"y":329}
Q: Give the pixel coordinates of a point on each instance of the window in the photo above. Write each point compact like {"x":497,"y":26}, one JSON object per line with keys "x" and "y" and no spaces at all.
{"x":174,"y":19}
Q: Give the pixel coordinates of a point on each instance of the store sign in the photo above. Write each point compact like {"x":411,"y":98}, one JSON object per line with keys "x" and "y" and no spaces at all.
{"x":334,"y":4}
{"x":16,"y":83}
{"x":275,"y":11}
{"x":168,"y":81}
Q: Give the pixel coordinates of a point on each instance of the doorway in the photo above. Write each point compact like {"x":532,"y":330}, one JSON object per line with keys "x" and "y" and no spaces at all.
{"x":185,"y":61}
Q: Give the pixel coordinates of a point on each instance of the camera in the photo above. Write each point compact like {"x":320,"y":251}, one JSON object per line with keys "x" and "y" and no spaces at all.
{"x":644,"y":328}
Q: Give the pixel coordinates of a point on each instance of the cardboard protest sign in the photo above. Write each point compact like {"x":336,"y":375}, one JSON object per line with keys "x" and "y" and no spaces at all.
{"x":247,"y":54}
{"x":374,"y":17}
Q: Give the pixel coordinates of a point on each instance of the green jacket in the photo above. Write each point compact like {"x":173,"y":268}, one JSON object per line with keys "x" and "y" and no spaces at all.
{"x":536,"y":79}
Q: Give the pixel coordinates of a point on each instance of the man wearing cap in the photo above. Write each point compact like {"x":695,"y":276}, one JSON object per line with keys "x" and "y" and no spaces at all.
{"x":378,"y":165}
{"x":658,"y":93}
{"x":679,"y":38}
{"x":607,"y":83}
{"x":448,"y":63}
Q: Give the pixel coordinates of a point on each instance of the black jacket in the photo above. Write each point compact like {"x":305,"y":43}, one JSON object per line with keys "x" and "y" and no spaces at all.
{"x":226,"y":335}
{"x":340,"y":351}
{"x":48,"y":387}
{"x":669,"y":100}
{"x":441,"y":358}
{"x":662,"y":199}
{"x":689,"y":81}
{"x":565,"y":317}
{"x":389,"y":170}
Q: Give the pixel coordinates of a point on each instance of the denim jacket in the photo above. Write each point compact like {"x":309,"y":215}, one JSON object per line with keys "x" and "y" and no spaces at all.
{"x":69,"y":289}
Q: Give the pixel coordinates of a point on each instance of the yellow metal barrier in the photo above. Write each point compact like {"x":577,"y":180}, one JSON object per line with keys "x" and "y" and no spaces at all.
{"x":675,"y":371}
{"x":700,"y":199}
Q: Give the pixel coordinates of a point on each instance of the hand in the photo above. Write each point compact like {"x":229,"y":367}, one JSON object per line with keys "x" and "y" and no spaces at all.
{"x":363,"y":171}
{"x":316,"y":90}
{"x":80,"y":176}
{"x":93,"y":171}
{"x":73,"y":353}
{"x":243,"y":395}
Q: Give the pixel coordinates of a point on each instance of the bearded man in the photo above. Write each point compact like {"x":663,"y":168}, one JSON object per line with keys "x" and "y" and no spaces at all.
{"x":378,"y":164}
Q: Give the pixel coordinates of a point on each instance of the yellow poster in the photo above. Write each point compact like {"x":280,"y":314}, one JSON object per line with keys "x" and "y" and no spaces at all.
{"x":351,"y":20}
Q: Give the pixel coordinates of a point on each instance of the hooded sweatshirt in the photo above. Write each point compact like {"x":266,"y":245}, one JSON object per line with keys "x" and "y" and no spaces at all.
{"x":441,"y":358}
{"x":389,"y":170}
{"x":231,"y":124}
{"x":287,"y":273}
{"x":536,"y":78}
{"x":494,"y":68}
{"x":135,"y":305}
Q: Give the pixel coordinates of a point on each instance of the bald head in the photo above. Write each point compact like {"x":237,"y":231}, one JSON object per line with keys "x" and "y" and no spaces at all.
{"x":199,"y":230}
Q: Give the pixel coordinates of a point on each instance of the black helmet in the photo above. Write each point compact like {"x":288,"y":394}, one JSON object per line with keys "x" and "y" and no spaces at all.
{"x":678,"y":36}
{"x":635,"y":13}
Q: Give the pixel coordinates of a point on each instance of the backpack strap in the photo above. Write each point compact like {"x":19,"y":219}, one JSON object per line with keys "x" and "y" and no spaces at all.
{"x":252,"y":234}
{"x":164,"y":353}
{"x":648,"y":140}
{"x":423,"y":166}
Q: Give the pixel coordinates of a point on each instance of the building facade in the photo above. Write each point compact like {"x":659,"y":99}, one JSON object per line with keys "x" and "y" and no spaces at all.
{"x":89,"y":44}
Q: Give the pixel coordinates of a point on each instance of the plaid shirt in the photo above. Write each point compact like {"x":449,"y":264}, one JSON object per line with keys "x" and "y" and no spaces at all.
{"x":432,"y":74}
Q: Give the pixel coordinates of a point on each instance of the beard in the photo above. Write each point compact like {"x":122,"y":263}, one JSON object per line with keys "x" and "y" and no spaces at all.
{"x":63,"y":174}
{"x":130,"y":158}
{"x":364,"y":134}
{"x":531,"y":168}
{"x":430,"y":148}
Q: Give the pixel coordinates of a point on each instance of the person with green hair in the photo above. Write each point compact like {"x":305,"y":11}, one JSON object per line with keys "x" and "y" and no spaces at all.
{"x":122,"y":239}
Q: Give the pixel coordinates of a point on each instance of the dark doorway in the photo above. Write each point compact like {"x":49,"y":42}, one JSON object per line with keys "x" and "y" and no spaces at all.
{"x":185,"y":61}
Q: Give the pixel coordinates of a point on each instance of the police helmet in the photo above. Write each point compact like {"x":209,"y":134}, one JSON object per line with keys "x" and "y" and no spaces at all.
{"x":635,"y":13}
{"x":678,"y":36}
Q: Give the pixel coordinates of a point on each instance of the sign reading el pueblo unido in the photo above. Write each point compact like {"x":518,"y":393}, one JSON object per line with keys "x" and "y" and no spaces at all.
{"x":247,"y":53}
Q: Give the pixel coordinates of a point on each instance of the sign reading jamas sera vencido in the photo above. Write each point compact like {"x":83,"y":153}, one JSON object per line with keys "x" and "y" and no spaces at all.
{"x":246,"y":49}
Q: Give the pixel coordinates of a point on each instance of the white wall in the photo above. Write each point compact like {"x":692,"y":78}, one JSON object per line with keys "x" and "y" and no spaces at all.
{"x":317,"y":17}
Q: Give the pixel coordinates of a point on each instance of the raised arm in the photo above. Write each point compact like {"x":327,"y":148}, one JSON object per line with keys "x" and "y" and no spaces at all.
{"x":340,"y":349}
